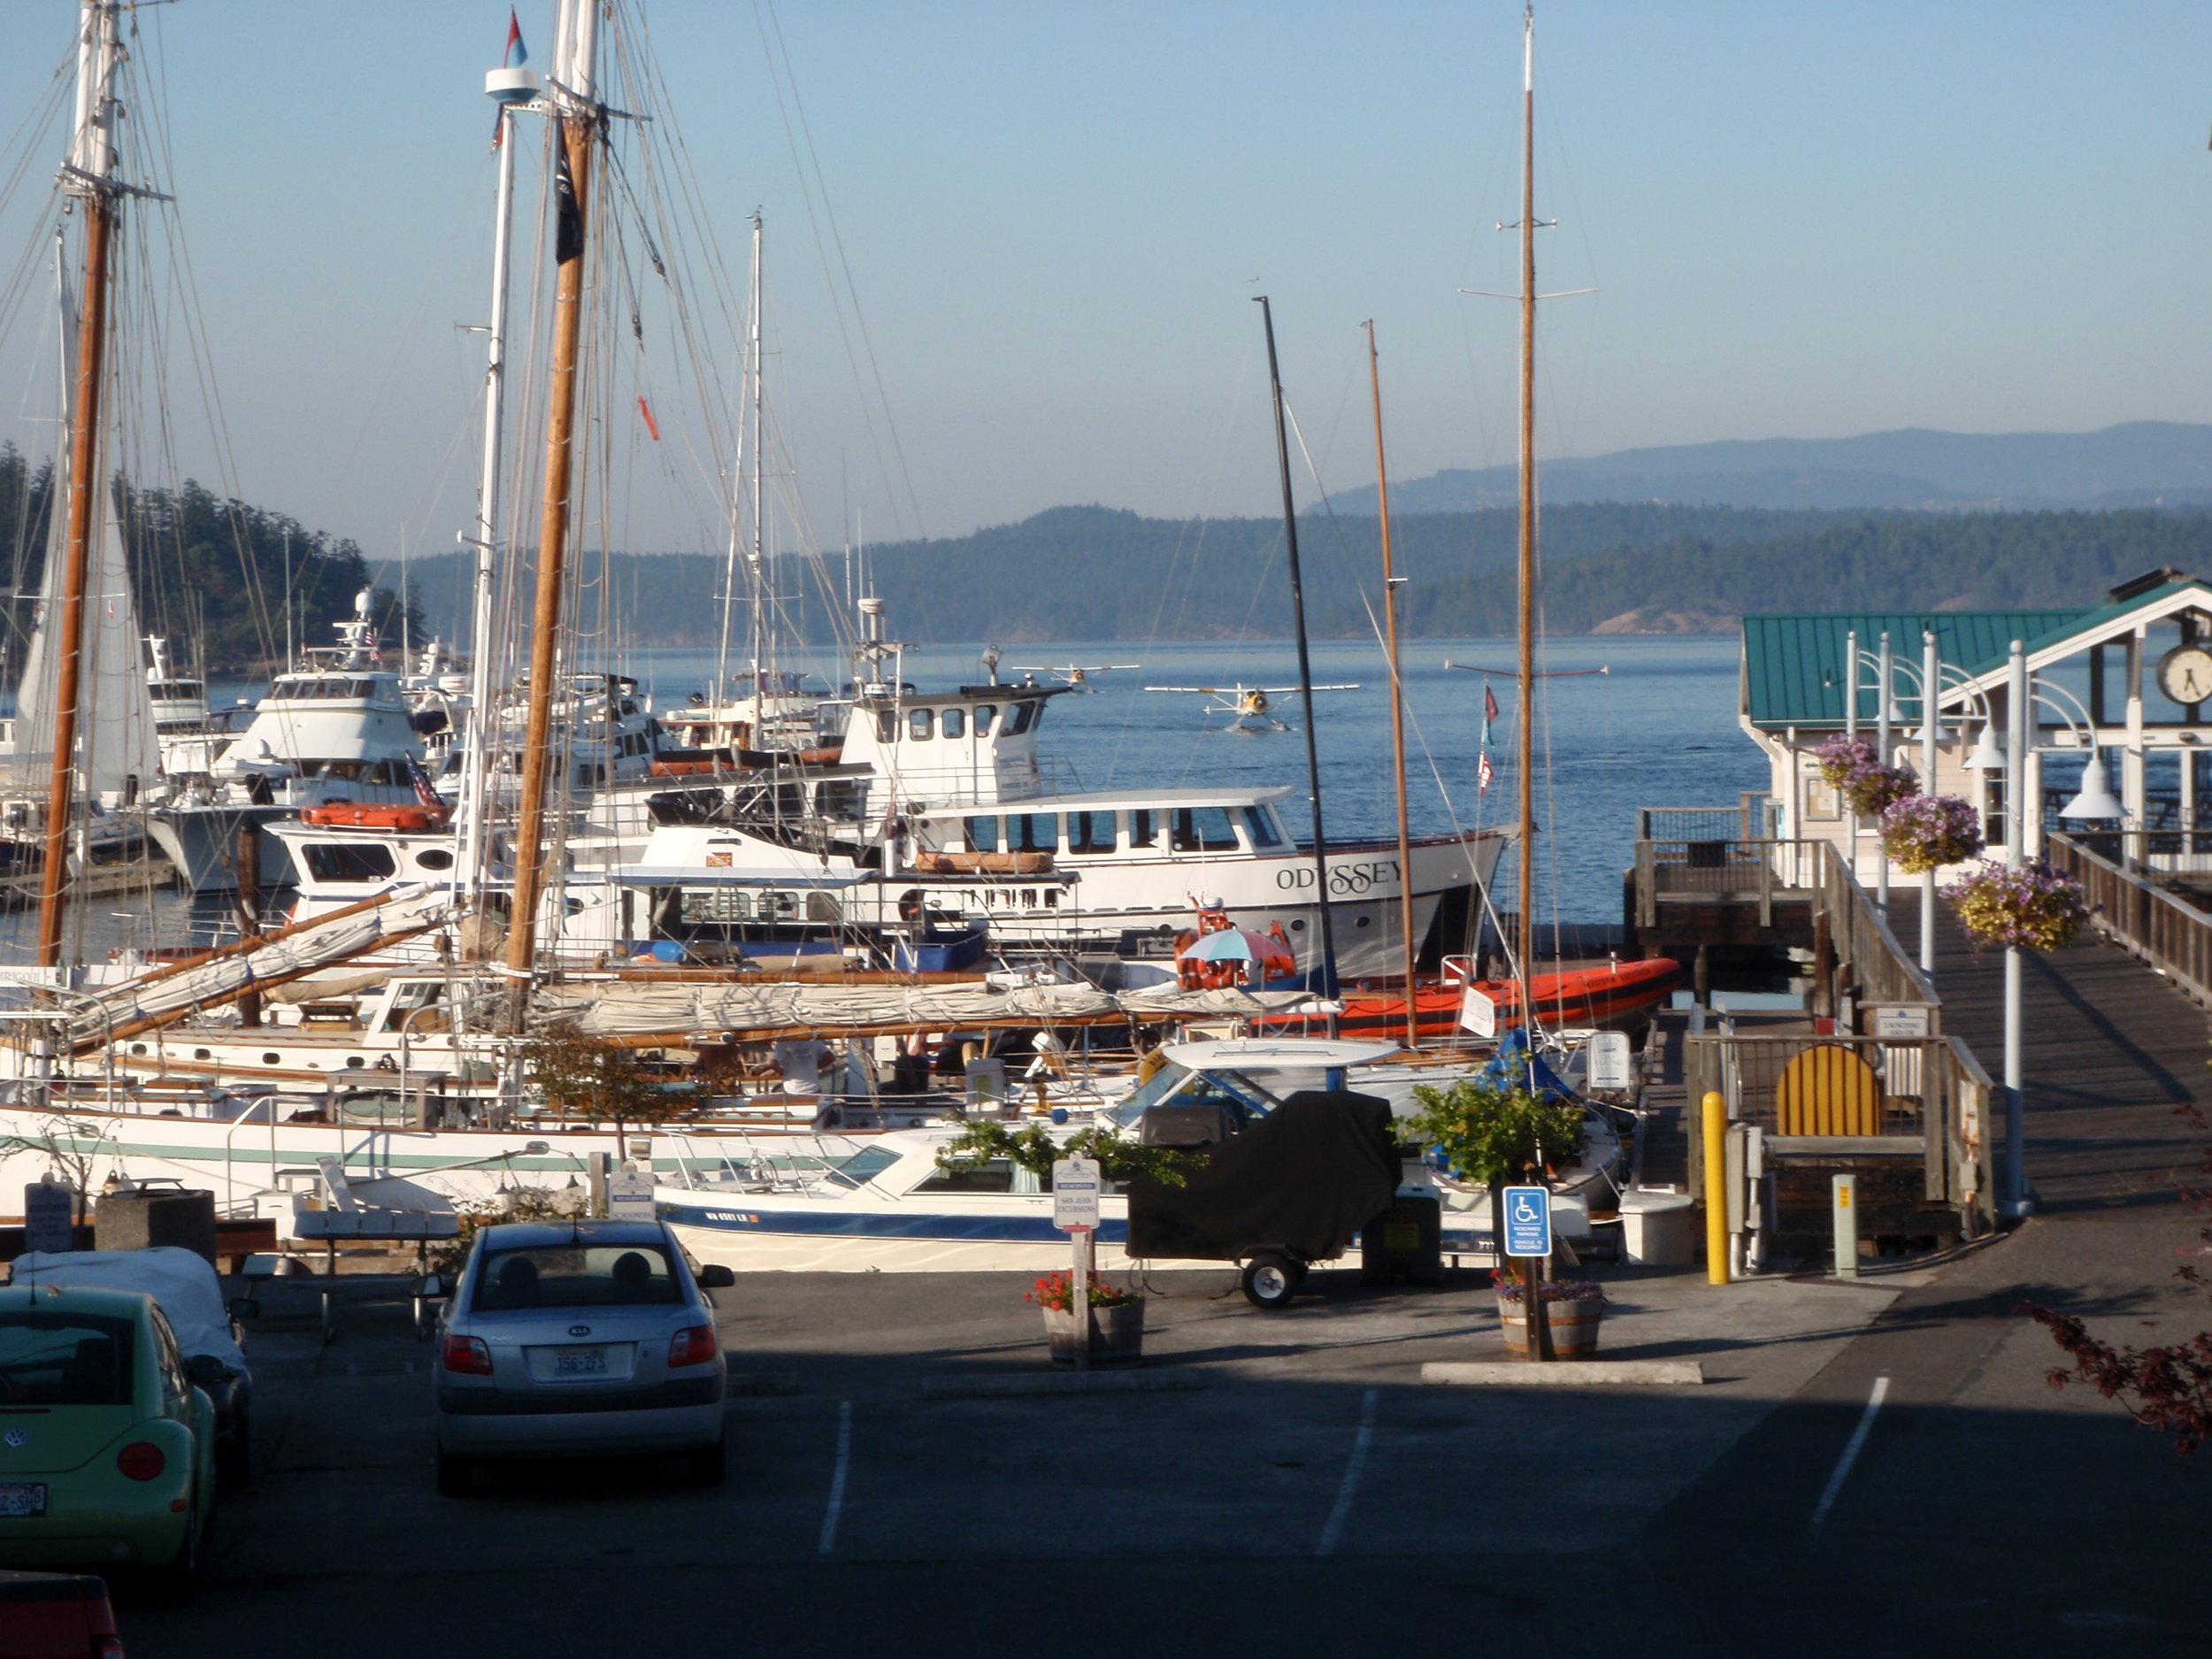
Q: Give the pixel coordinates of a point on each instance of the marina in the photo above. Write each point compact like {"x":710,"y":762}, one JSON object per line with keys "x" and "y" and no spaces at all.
{"x":646,"y":1054}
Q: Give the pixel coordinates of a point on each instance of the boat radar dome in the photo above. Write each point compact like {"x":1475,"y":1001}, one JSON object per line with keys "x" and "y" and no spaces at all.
{"x":512,"y":86}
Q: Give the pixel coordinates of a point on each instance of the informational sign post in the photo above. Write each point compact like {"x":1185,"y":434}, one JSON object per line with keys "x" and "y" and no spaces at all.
{"x":1611,"y":1057}
{"x":630,"y":1195}
{"x":1075,"y":1184}
{"x":1527,"y":1221}
{"x":49,"y":1213}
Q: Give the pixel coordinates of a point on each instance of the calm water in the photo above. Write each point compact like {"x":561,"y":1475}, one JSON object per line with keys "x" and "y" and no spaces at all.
{"x":1659,"y":729}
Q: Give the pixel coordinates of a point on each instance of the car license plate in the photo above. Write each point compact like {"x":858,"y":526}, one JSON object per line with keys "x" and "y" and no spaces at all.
{"x":22,"y":1501}
{"x":580,"y":1362}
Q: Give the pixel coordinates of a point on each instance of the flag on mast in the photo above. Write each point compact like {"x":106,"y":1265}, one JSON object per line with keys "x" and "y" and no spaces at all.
{"x":1482,"y":774}
{"x":517,"y":54}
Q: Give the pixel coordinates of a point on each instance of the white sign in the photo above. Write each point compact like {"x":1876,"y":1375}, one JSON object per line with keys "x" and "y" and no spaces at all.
{"x":48,"y":1212}
{"x":1075,"y":1194}
{"x":1900,"y":1022}
{"x":1610,"y":1056}
{"x":1477,"y":1013}
{"x":45,"y":978}
{"x":630,"y":1195}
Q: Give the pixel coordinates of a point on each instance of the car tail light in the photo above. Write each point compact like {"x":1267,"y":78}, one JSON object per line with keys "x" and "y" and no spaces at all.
{"x":142,"y":1459}
{"x":692,"y":1346}
{"x":468,"y":1353}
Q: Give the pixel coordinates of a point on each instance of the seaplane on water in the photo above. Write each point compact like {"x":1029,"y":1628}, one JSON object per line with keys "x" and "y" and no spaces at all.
{"x":1249,"y":708}
{"x":1072,"y":675}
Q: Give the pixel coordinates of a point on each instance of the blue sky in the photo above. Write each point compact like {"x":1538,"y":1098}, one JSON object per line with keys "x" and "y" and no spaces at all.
{"x":1803,"y":221}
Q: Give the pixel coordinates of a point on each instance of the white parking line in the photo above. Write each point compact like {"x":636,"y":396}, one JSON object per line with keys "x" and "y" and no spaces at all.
{"x":837,"y":1479}
{"x":1356,"y":1466}
{"x":1850,"y":1454}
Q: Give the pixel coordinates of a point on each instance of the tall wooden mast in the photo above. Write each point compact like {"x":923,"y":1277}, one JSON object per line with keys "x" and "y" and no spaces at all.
{"x":575,"y":127}
{"x":88,"y":178}
{"x":1524,"y":716}
{"x":1397,"y":696}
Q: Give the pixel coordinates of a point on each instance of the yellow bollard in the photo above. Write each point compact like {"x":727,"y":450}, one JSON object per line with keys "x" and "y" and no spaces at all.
{"x":1716,"y":1190}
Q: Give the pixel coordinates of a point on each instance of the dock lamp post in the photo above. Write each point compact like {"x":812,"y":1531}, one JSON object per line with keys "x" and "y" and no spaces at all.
{"x":1887,"y":668}
{"x":2093,"y":801}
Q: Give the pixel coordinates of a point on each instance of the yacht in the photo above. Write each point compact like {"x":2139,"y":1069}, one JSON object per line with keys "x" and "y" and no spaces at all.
{"x":334,"y":731}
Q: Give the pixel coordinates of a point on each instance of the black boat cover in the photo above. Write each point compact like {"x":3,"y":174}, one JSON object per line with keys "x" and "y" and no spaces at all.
{"x":1301,"y":1180}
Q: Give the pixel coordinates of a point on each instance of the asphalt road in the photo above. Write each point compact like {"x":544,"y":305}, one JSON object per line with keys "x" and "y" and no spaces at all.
{"x":1306,"y":1495}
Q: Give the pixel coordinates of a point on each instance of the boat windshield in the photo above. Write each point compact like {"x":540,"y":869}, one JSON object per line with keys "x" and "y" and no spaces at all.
{"x":1175,"y":1084}
{"x":863,"y":1167}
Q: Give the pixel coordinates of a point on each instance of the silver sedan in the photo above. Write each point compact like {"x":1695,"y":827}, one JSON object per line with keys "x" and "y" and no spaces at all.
{"x":577,"y":1340}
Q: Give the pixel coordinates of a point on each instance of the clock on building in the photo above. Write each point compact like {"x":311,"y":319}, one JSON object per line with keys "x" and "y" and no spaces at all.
{"x":2185,"y":674}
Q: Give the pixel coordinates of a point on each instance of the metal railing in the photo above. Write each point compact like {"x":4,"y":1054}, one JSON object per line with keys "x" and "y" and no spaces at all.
{"x":2166,"y":932}
{"x":1728,"y":870}
{"x":1924,"y":1096}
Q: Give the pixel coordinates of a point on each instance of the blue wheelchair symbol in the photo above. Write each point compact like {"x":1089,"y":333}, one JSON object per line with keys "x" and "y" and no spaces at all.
{"x":1527,"y":1221}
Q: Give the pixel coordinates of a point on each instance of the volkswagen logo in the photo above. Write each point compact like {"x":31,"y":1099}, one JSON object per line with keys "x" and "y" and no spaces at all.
{"x":19,"y":1437}
{"x":579,"y":1330}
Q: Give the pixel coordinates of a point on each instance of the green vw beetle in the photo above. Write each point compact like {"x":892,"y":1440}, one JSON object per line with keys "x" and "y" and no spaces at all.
{"x":106,"y":1448}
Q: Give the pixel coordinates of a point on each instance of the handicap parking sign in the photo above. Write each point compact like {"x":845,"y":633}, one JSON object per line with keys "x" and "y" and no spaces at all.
{"x":1527,"y":1221}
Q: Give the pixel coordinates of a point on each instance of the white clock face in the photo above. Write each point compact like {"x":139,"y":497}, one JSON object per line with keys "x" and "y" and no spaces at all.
{"x":2185,"y":674}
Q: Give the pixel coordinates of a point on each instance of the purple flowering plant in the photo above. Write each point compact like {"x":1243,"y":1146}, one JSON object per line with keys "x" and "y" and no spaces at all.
{"x":2035,"y":906}
{"x":1922,"y":833}
{"x":1855,"y":767}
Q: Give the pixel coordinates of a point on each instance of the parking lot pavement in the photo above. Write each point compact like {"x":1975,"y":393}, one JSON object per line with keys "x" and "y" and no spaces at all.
{"x":1256,"y":1460}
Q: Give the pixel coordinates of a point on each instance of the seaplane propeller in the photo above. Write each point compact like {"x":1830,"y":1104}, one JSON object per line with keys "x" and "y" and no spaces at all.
{"x":1249,"y":708}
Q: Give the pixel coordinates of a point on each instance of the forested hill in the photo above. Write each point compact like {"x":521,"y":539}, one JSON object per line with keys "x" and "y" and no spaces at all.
{"x":1094,"y":573}
{"x":210,"y":573}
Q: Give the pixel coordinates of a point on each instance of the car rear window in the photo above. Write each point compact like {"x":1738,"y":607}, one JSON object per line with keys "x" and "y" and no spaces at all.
{"x":65,"y":1359}
{"x":576,"y":1275}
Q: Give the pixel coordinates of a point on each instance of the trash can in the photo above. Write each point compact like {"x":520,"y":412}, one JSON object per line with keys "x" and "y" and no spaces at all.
{"x":1658,"y":1229}
{"x":136,"y":1218}
{"x":1405,"y":1244}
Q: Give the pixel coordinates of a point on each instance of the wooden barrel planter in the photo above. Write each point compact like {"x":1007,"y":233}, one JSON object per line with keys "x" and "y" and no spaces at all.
{"x":1574,"y":1326}
{"x":1116,"y":1334}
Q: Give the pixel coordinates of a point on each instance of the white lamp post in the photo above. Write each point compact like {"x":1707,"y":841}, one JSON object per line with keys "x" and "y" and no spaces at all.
{"x":2016,"y":1200}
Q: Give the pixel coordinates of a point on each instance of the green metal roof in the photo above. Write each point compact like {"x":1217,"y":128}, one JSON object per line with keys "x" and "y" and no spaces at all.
{"x":1794,"y":665}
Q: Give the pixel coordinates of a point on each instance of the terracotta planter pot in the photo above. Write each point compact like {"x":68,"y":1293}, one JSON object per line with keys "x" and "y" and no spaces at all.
{"x":1117,"y":1335}
{"x":1574,"y":1326}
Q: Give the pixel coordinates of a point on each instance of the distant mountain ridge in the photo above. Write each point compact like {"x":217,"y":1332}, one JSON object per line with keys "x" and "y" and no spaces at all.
{"x":2142,"y":463}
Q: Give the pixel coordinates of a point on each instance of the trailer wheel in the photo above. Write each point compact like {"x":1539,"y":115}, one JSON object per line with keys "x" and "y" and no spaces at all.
{"x":1270,"y":1279}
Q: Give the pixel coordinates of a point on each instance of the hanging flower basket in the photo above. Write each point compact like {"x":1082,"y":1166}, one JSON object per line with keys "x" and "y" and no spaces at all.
{"x":1924,"y":833}
{"x":1855,"y":769}
{"x":2034,"y":906}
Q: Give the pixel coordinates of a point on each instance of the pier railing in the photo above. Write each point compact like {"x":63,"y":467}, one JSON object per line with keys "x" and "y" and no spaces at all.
{"x":2166,"y":932}
{"x":1881,"y":970}
{"x":1727,"y":870}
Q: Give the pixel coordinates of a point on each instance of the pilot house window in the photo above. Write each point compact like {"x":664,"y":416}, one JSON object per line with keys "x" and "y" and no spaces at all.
{"x":1204,"y":829}
{"x":349,"y":861}
{"x":954,"y":723}
{"x":919,"y":723}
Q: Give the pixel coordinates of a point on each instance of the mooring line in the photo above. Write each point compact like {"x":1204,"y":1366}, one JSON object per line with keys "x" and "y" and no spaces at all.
{"x":837,"y":1479}
{"x":1356,"y":1465}
{"x":1850,"y":1454}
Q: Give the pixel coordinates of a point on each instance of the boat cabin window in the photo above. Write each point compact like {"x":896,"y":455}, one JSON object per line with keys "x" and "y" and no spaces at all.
{"x":997,"y":1176}
{"x":954,"y":723}
{"x":1203,"y":829}
{"x":1019,"y":718}
{"x":887,"y":726}
{"x":1032,"y":832}
{"x":1261,"y":823}
{"x":985,"y":713}
{"x":434,"y":858}
{"x":1174,"y":1085}
{"x":1090,"y":832}
{"x":921,"y":724}
{"x":349,"y":861}
{"x":981,"y":834}
{"x":839,"y":798}
{"x":1144,"y":828}
{"x":864,"y":1166}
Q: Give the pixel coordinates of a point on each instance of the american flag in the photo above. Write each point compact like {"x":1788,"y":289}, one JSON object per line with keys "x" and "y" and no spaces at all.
{"x":1482,"y":774}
